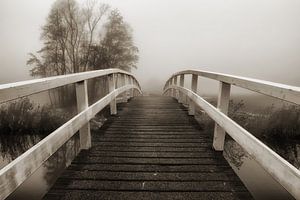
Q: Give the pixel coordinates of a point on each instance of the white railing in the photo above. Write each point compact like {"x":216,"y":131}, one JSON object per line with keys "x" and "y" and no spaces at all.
{"x":285,"y":173}
{"x":16,"y":172}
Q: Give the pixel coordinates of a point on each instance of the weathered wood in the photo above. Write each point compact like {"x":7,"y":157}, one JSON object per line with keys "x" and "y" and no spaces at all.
{"x":17,"y":171}
{"x":112,"y":87}
{"x":175,"y":91}
{"x":223,"y":103}
{"x":168,"y":166}
{"x":181,"y":83}
{"x":194,"y":85}
{"x":16,"y":90}
{"x":130,"y":82}
{"x":280,"y":169}
{"x":277,"y":90}
{"x":82,"y":104}
{"x":123,"y":83}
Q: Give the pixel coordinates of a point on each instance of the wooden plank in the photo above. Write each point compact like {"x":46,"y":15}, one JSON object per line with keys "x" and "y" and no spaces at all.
{"x":146,"y":195}
{"x":223,"y":103}
{"x":16,"y":90}
{"x":277,"y":90}
{"x":17,"y":171}
{"x":152,"y":164}
{"x":280,"y":169}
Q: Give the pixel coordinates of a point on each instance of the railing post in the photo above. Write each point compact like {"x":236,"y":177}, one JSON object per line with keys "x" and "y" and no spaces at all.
{"x":194,"y":89}
{"x":173,"y":90}
{"x":168,"y":85}
{"x":123,"y":83}
{"x":82,"y":104}
{"x":175,"y":84}
{"x":112,"y":87}
{"x":131,"y":83}
{"x":171,"y":84}
{"x":223,"y":103}
{"x":127,"y":82}
{"x":181,"y":83}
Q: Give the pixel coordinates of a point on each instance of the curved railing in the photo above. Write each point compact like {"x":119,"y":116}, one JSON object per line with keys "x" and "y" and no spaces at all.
{"x":285,"y":173}
{"x":16,"y":172}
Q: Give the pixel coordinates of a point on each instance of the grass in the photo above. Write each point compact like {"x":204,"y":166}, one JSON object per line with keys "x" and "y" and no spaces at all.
{"x":22,"y":124}
{"x":279,"y":128}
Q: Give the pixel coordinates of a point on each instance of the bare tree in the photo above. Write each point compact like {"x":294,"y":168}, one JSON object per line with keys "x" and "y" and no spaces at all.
{"x":71,"y":45}
{"x":93,"y":12}
{"x":116,"y":49}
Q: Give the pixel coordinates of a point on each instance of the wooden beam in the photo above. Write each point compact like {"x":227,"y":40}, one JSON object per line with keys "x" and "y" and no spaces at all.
{"x":17,"y":171}
{"x":123,"y":83}
{"x":112,"y":87}
{"x":175,"y":91}
{"x":82,"y":104}
{"x":223,"y":103}
{"x":181,"y":83}
{"x":16,"y":90}
{"x":280,"y":169}
{"x":281,"y":91}
{"x":194,"y":85}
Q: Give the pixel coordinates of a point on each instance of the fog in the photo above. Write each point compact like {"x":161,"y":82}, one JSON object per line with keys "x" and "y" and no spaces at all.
{"x":253,"y":38}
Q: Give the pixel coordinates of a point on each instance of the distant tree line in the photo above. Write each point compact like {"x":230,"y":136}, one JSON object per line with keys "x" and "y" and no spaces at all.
{"x":78,"y":38}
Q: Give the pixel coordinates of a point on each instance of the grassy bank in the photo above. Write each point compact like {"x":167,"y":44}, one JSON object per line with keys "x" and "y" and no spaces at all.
{"x":279,"y":128}
{"x":23,"y":123}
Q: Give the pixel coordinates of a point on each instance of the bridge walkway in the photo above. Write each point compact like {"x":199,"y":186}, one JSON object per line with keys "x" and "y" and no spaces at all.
{"x":151,"y":149}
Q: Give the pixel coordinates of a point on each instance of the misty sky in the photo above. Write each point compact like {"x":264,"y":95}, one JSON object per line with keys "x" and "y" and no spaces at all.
{"x":254,"y":38}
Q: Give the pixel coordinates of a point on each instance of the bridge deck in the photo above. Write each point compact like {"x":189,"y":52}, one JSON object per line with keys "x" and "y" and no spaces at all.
{"x":151,"y":150}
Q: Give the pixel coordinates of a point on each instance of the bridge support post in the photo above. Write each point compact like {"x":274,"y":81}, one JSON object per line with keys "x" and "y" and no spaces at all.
{"x":181,"y":83}
{"x":82,"y":104}
{"x":223,"y":103}
{"x":123,"y":83}
{"x":175,"y":90}
{"x":194,"y":89}
{"x":112,"y":87}
{"x":131,"y":90}
{"x":169,"y":92}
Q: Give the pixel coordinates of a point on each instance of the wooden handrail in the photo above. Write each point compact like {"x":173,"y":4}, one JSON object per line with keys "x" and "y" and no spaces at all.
{"x":281,"y":91}
{"x":285,"y":173}
{"x":16,"y":90}
{"x":17,"y":171}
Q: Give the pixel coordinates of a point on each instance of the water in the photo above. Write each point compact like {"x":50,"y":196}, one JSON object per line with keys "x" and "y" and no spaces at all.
{"x":260,"y":183}
{"x":37,"y":185}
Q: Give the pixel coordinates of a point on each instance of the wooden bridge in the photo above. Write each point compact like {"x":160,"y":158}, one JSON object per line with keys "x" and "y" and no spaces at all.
{"x":151,"y":147}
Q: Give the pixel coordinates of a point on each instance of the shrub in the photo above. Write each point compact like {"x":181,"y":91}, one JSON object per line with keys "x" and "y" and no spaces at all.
{"x":22,"y":124}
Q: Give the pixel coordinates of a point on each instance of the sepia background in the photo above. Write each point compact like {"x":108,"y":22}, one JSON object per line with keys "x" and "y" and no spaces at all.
{"x":258,"y":39}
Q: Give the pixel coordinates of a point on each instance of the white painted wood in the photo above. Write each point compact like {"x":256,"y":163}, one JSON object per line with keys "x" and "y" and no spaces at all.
{"x":127,"y":82}
{"x":112,"y":87}
{"x":223,"y":103}
{"x":194,"y":85}
{"x":280,"y":169}
{"x":17,"y":171}
{"x":172,"y":91}
{"x":123,"y":83}
{"x":16,"y":90}
{"x":181,"y":83}
{"x":130,"y":91}
{"x":175,"y":94}
{"x":82,"y":104}
{"x":281,"y":91}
